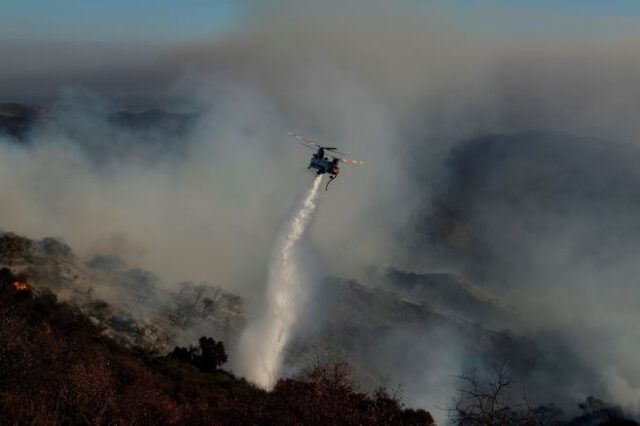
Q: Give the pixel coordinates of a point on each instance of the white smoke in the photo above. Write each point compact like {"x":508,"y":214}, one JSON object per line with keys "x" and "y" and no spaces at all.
{"x":263,"y":342}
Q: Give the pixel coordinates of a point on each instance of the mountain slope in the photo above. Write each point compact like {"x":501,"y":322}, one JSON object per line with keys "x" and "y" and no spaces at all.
{"x":17,"y":120}
{"x":504,"y":196}
{"x":382,"y":331}
{"x":57,"y":367}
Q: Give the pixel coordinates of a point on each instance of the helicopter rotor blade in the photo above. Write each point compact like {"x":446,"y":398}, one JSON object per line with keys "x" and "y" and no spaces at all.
{"x":308,"y":146}
{"x":308,"y":141}
{"x":350,"y":161}
{"x":304,"y":140}
{"x":312,"y":145}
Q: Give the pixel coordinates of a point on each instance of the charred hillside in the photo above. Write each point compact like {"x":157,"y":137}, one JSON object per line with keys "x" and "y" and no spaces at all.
{"x":128,"y":302}
{"x":59,"y":367}
{"x":381,"y":329}
{"x":396,"y":316}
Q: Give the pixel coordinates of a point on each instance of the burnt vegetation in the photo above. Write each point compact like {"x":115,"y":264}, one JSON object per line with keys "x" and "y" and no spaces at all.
{"x":495,"y":402}
{"x":58,"y":367}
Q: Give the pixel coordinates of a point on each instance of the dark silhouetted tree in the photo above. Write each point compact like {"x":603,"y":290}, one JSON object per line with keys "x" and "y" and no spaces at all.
{"x":207,"y":357}
{"x":493,"y":404}
{"x":485,"y":405}
{"x":212,"y":354}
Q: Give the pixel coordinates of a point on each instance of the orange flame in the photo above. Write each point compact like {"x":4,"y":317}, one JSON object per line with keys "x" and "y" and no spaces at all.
{"x":19,"y":286}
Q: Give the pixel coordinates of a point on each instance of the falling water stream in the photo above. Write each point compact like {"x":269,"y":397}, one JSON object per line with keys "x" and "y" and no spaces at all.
{"x":263,"y":342}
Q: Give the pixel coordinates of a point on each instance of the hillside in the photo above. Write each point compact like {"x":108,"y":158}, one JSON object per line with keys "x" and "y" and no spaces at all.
{"x":62,"y":364}
{"x":361,"y":324}
{"x":19,"y":121}
{"x":505,"y":198}
{"x":59,"y":367}
{"x":128,"y":302}
{"x":381,"y":330}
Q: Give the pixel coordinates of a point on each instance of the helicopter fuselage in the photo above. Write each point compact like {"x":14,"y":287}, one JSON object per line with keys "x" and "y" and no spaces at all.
{"x":323,"y":165}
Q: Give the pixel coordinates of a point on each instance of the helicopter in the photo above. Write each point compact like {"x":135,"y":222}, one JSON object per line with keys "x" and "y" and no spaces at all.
{"x":324,"y":164}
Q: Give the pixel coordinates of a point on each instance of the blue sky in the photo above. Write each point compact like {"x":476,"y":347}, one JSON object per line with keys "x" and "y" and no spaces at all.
{"x":176,"y":21}
{"x":115,"y":20}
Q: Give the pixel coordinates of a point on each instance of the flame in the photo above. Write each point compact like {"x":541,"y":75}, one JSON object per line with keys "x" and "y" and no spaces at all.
{"x":20,"y":286}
